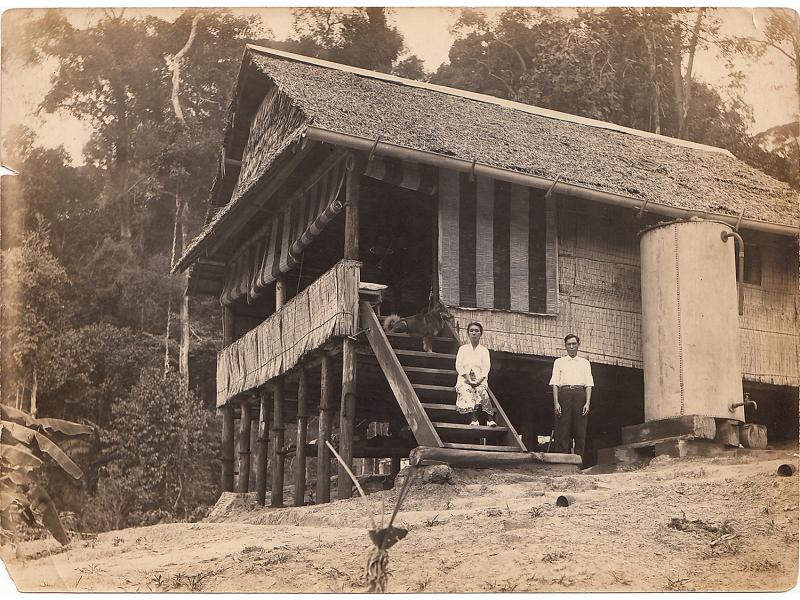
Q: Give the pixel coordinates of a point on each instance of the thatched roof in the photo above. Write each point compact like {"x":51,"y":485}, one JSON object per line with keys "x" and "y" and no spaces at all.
{"x":506,"y":135}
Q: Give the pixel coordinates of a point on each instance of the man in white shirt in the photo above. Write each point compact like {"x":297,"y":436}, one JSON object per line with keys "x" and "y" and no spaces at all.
{"x":572,"y":384}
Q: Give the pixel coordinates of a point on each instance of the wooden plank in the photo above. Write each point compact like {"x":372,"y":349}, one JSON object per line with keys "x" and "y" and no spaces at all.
{"x":478,"y":458}
{"x":481,"y":447}
{"x":693,"y":425}
{"x":262,"y":447}
{"x":302,"y":435}
{"x":325,"y":426}
{"x":683,"y":448}
{"x":421,"y":354}
{"x":278,"y":458}
{"x":624,"y":455}
{"x":227,"y":447}
{"x":243,"y":478}
{"x":752,"y":435}
{"x":413,"y":336}
{"x":407,"y":399}
{"x":727,"y":432}
{"x":438,"y":406}
{"x":478,"y":429}
{"x":344,"y":488}
{"x":429,"y":371}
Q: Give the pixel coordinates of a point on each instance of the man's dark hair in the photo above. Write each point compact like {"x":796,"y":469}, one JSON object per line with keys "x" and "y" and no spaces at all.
{"x":569,"y":337}
{"x":478,"y":325}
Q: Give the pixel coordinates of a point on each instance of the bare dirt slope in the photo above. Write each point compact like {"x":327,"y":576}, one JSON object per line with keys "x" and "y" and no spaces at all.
{"x":691,"y":524}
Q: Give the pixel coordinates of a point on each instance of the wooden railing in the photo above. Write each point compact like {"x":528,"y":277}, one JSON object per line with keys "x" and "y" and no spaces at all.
{"x":325,"y":309}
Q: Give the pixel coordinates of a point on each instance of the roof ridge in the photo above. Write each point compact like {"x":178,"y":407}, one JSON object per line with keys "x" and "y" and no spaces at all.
{"x":528,"y":108}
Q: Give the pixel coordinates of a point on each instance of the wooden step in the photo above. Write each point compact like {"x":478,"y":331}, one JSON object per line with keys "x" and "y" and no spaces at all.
{"x":410,"y":341}
{"x":420,"y":358}
{"x":482,"y":447}
{"x":414,"y":336}
{"x":480,"y":430}
{"x":432,"y":376}
{"x":424,"y":390}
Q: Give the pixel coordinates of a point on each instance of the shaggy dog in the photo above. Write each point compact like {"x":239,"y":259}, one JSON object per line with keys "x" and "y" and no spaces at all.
{"x":428,"y":324}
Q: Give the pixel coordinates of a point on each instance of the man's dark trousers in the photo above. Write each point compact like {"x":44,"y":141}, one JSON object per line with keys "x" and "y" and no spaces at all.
{"x":572,"y":422}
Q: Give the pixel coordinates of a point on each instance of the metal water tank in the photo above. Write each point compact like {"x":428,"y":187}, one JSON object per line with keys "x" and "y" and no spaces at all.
{"x":690,"y":321}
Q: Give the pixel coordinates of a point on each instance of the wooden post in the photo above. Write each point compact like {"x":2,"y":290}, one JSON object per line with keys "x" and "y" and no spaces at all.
{"x":395,"y":465}
{"x":227,"y":412}
{"x":347,"y":417}
{"x":353,"y":194}
{"x":262,"y":448}
{"x":325,"y":425}
{"x":243,"y":479}
{"x":276,"y":498}
{"x":227,"y":448}
{"x":302,"y":438}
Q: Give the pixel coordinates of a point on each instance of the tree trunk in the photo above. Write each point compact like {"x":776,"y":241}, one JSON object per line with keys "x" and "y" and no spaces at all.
{"x":34,"y":389}
{"x":683,"y":82}
{"x":655,"y":98}
{"x":183,"y":360}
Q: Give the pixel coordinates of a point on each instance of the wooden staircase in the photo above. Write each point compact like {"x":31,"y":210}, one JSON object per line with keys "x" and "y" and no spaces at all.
{"x":423,"y":384}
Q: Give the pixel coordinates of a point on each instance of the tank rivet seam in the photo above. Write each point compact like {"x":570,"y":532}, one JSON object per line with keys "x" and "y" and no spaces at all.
{"x":678,"y":302}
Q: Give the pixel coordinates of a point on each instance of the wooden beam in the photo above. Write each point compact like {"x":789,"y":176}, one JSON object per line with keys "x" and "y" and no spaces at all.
{"x":347,"y":417}
{"x":278,"y":458}
{"x":353,"y":195}
{"x":692,"y":425}
{"x":302,"y":436}
{"x":482,"y":459}
{"x":325,"y":425}
{"x":227,"y":448}
{"x":262,"y":447}
{"x":243,"y":479}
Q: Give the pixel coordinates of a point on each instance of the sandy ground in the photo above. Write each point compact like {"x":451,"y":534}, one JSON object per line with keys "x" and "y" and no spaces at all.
{"x":736,"y":529}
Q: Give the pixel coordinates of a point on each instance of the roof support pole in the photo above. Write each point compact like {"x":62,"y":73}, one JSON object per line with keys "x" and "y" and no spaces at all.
{"x":243,"y":478}
{"x":277,"y":462}
{"x":347,"y":417}
{"x":227,"y":448}
{"x":572,"y":189}
{"x":262,"y":447}
{"x":326,"y":409}
{"x":302,"y":439}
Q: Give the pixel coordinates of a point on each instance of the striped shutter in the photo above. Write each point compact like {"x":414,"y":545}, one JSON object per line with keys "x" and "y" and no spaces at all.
{"x":498,"y":245}
{"x":405,"y":174}
{"x":278,"y":245}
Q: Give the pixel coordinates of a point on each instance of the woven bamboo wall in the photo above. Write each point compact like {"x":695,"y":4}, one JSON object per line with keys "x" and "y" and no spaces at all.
{"x":325,"y":309}
{"x":600,"y":300}
{"x":769,"y":327}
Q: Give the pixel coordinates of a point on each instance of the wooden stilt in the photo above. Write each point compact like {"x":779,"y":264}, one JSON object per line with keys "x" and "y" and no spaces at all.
{"x":243,"y":479}
{"x":325,"y":426}
{"x":227,"y":413}
{"x":347,"y":417}
{"x":276,"y":498}
{"x":262,"y":447}
{"x":395,"y":465}
{"x":302,"y":438}
{"x":227,"y":448}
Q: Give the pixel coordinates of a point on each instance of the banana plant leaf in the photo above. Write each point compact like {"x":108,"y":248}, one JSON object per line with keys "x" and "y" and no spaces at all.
{"x":15,"y":415}
{"x":19,"y":457}
{"x":20,"y":417}
{"x":42,"y":506}
{"x":65,"y":427}
{"x":22,"y":434}
{"x":8,"y":497}
{"x":29,"y":437}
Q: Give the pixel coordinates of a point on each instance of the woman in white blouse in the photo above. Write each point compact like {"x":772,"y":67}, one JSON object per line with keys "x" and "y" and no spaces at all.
{"x":473,"y":365}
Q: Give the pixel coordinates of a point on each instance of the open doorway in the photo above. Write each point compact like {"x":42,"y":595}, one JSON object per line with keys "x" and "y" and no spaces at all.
{"x":397,"y":245}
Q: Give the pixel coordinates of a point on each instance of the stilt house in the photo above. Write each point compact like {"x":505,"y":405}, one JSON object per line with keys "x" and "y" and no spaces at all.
{"x":344,"y":194}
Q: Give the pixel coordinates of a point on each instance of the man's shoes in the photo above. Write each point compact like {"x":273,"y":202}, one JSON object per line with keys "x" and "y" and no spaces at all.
{"x":491,"y":423}
{"x":474,"y":423}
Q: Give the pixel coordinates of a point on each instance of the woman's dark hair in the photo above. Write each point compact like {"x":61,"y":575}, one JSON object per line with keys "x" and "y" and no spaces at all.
{"x":478,"y":325}
{"x":570,"y":336}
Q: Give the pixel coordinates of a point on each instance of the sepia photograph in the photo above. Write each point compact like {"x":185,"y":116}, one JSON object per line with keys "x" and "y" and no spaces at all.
{"x":398,"y":299}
